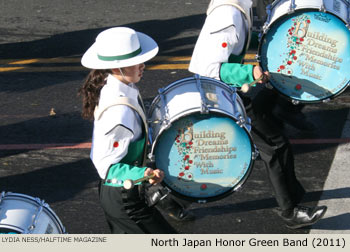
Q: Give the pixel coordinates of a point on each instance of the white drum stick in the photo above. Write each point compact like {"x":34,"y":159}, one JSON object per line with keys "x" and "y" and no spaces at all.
{"x":129,"y":184}
{"x":246,"y":86}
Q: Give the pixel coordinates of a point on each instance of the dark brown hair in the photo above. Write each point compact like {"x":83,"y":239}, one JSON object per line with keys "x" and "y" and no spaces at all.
{"x":90,"y":92}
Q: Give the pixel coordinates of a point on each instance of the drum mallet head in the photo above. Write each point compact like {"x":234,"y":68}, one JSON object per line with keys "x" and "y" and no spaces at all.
{"x":129,"y":183}
{"x":246,"y":86}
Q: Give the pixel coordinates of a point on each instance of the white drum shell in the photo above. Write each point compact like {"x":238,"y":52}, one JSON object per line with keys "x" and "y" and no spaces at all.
{"x":18,"y":212}
{"x":183,"y":97}
{"x":277,"y":9}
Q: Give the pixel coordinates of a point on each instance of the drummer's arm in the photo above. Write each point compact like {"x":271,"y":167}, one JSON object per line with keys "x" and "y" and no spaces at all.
{"x":231,"y":70}
{"x":120,"y":138}
{"x":237,"y":74}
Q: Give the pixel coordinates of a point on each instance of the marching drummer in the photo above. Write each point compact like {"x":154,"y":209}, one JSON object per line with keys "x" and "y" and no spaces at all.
{"x":218,"y":53}
{"x":112,"y":100}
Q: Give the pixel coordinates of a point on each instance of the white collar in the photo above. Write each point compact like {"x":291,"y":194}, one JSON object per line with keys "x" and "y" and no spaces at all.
{"x":116,"y":86}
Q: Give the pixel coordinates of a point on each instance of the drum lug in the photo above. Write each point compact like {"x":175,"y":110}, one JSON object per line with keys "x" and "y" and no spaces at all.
{"x":292,"y":7}
{"x":295,"y":102}
{"x":165,"y":122}
{"x":2,"y":196}
{"x":248,"y":124}
{"x":151,"y":157}
{"x":241,"y":121}
{"x":255,"y":154}
{"x":322,"y":8}
{"x":204,"y":107}
{"x":257,"y":57}
{"x":35,"y":220}
{"x":265,"y":28}
{"x":201,"y":201}
{"x":326,"y":100}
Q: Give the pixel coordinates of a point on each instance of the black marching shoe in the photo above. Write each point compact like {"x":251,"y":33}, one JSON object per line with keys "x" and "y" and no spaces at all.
{"x":182,"y":215}
{"x":302,"y":216}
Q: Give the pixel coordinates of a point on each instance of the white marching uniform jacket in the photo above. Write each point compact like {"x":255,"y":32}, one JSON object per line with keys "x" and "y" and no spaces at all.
{"x":116,"y":127}
{"x":226,"y":32}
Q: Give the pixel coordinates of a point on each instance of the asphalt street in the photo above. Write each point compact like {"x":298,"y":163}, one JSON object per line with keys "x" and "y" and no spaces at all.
{"x":45,"y":144}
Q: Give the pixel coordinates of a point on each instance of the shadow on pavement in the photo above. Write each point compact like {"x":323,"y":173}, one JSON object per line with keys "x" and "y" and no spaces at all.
{"x":339,"y":222}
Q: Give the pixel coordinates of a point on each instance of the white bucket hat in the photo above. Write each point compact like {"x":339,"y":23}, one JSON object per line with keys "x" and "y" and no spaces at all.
{"x":119,"y":47}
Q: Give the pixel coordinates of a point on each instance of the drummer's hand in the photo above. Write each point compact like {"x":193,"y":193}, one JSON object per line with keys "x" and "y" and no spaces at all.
{"x":158,"y":175}
{"x":257,"y":72}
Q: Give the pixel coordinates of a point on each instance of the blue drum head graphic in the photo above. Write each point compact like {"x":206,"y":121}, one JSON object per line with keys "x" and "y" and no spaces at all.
{"x":307,"y":55}
{"x":204,"y":156}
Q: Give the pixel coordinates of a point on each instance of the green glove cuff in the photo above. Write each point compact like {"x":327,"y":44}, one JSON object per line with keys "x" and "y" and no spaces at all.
{"x":120,"y":172}
{"x":236,"y":74}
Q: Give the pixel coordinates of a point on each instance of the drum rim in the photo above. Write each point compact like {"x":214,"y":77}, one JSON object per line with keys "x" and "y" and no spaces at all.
{"x":265,"y":31}
{"x":328,"y":98}
{"x":299,"y":9}
{"x":228,"y":192}
{"x":12,"y":228}
{"x":183,"y":80}
{"x":46,"y":207}
{"x":263,"y":34}
{"x":195,"y":77}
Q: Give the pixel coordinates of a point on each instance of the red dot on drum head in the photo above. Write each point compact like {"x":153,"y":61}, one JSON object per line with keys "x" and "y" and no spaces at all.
{"x":224,"y":45}
{"x":203,"y":186}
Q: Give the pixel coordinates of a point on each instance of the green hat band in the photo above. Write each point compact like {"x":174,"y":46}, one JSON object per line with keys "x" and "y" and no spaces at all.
{"x":120,"y":57}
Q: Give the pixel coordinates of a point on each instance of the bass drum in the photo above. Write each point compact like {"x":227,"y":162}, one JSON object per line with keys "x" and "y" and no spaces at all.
{"x":200,"y":136}
{"x":23,"y":214}
{"x":305,"y":47}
